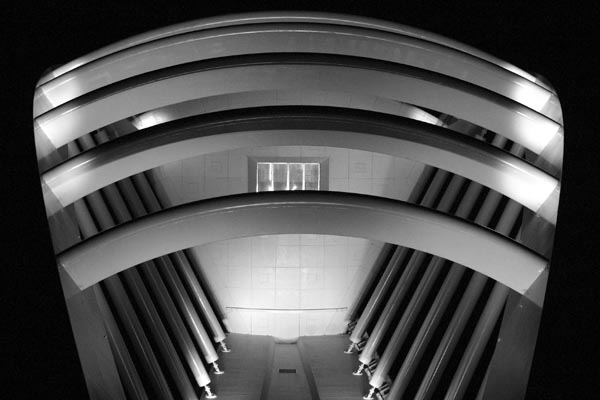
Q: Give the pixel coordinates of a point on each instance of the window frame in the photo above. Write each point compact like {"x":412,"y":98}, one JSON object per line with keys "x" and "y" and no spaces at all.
{"x":322,"y":161}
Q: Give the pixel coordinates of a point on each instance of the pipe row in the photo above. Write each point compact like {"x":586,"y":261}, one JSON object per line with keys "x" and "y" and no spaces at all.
{"x":411,"y":270}
{"x":456,"y":325}
{"x":389,"y":275}
{"x":132,"y":383}
{"x":126,"y":313}
{"x":436,"y":313}
{"x":410,"y":314}
{"x":182,"y":264}
{"x":422,"y":292}
{"x":145,"y":303}
{"x":138,"y":209}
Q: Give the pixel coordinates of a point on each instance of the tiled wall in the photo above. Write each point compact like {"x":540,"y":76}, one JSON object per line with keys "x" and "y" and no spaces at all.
{"x":288,"y":273}
{"x":287,"y":285}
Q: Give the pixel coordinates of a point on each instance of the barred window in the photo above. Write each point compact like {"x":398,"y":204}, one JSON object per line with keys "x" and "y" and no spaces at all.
{"x":271,"y":176}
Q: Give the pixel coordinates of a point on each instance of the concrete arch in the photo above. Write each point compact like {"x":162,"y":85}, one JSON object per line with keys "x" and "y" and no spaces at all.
{"x":432,"y":91}
{"x":287,"y":17}
{"x":313,"y":126}
{"x":331,"y":213}
{"x":287,"y":38}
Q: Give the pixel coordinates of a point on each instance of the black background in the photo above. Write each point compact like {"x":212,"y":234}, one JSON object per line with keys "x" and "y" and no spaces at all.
{"x":556,"y":41}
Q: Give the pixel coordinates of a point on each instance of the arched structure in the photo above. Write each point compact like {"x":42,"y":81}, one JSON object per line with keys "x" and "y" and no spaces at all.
{"x":424,"y":143}
{"x":451,"y":163}
{"x":305,"y":213}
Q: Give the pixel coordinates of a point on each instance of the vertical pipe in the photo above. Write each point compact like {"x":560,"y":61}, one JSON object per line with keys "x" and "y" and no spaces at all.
{"x":387,"y":250}
{"x":141,"y":295}
{"x":387,"y":315}
{"x":160,"y":334}
{"x":451,"y":336}
{"x":481,"y":391}
{"x":484,"y":326}
{"x":441,"y":301}
{"x":408,"y":318}
{"x":426,"y":331}
{"x":376,"y":298}
{"x":450,"y":283}
{"x":477,"y":343}
{"x":415,"y":263}
{"x":391,"y":271}
{"x":461,"y":315}
{"x":138,"y":209}
{"x":166,"y":303}
{"x":129,"y":376}
{"x":191,"y":316}
{"x":413,"y":309}
{"x":126,"y":312}
{"x":149,"y":312}
{"x":182,"y":264}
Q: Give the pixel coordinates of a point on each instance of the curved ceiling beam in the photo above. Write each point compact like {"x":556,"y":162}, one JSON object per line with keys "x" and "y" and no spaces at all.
{"x":279,"y":98}
{"x":330,"y":213}
{"x":286,"y":72}
{"x":286,"y":17}
{"x":308,"y":126}
{"x":287,"y":38}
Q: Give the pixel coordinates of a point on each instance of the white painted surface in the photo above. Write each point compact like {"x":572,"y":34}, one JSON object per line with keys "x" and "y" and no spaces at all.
{"x":287,"y":285}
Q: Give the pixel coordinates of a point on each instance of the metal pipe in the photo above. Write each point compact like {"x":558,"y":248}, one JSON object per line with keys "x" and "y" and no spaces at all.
{"x":461,"y":315}
{"x":160,"y":334}
{"x":418,"y":299}
{"x":399,"y":335}
{"x":388,"y":313}
{"x":391,"y":271}
{"x":181,"y":263}
{"x":415,"y":263}
{"x":408,"y":318}
{"x":477,"y":343}
{"x":126,"y":312}
{"x":445,"y":293}
{"x":482,"y":387}
{"x":129,"y":376}
{"x":138,"y":209}
{"x":378,"y":295}
{"x":484,"y":326}
{"x":144,"y":301}
{"x":439,"y":304}
{"x":184,"y":267}
{"x":164,"y":299}
{"x":185,"y":305}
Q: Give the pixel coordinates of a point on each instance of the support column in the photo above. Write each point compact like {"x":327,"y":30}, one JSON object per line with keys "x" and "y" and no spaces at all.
{"x":416,"y":262}
{"x":93,"y":345}
{"x":461,"y":315}
{"x":477,"y":344}
{"x":418,"y":299}
{"x":138,"y":209}
{"x":127,"y":313}
{"x":181,"y":263}
{"x":127,"y":371}
{"x":391,"y":271}
{"x":140,"y":293}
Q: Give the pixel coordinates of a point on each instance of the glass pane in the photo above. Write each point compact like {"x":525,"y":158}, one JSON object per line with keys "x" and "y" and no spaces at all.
{"x":296,"y":174}
{"x":263,"y":177}
{"x":311,"y":176}
{"x":280,"y":176}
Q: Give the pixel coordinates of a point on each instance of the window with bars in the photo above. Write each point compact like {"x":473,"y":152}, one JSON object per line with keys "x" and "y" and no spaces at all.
{"x":271,"y":176}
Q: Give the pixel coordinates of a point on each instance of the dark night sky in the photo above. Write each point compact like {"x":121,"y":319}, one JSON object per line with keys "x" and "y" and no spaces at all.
{"x":554,"y":41}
